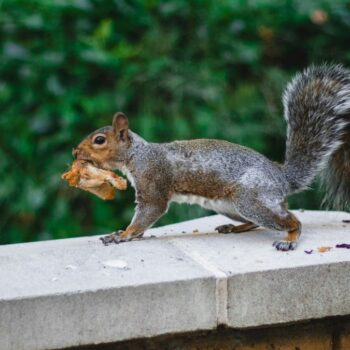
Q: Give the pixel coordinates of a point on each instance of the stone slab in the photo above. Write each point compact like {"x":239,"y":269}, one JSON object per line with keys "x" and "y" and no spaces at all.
{"x":269,"y":287}
{"x":58,"y":294}
{"x":179,"y":278}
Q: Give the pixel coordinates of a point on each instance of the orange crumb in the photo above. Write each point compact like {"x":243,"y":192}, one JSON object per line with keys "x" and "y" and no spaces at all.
{"x":324,"y":249}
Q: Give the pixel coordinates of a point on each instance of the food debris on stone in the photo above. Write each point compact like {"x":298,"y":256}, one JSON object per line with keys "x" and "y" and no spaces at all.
{"x":324,"y":249}
{"x":343,"y":245}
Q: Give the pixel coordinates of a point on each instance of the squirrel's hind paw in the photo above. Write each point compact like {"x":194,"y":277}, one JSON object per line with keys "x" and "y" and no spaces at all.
{"x":284,"y":245}
{"x":229,"y":228}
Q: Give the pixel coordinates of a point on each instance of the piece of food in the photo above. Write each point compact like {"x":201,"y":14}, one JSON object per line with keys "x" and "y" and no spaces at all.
{"x":324,"y":249}
{"x":102,"y":183}
{"x":308,"y":251}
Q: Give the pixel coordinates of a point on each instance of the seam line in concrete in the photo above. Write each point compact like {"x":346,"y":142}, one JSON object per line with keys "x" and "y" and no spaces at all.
{"x":220,"y":279}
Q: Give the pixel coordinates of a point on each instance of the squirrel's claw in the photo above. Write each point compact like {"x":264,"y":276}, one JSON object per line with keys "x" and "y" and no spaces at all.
{"x":284,"y":245}
{"x":112,"y":238}
{"x":118,"y":237}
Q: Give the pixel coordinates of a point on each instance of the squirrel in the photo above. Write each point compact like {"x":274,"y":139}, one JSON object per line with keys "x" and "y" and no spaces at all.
{"x":233,"y":180}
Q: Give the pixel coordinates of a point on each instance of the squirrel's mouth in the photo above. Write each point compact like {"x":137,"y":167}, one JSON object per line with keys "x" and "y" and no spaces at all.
{"x":94,"y":163}
{"x":89,"y":161}
{"x":78,"y":155}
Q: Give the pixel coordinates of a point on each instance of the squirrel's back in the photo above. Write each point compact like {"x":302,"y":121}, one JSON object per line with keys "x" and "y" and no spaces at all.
{"x":224,"y":157}
{"x":218,"y":164}
{"x":317,"y":111}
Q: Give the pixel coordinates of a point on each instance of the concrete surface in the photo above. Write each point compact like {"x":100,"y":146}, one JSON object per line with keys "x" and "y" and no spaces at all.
{"x":72,"y":292}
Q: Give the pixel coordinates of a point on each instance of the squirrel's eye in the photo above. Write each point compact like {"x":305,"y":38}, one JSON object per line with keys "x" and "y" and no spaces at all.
{"x":99,"y":140}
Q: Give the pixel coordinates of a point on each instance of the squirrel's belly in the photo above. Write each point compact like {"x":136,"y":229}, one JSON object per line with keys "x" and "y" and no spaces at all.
{"x":218,"y":205}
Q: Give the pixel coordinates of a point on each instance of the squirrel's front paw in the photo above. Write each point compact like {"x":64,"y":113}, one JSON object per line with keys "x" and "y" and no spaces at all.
{"x":285,"y":245}
{"x":115,"y":237}
{"x":119,"y":237}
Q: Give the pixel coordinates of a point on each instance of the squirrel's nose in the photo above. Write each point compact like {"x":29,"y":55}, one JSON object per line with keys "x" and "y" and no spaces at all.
{"x":75,"y":152}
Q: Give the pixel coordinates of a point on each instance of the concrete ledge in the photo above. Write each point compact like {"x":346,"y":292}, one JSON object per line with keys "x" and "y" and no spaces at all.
{"x":73,"y":292}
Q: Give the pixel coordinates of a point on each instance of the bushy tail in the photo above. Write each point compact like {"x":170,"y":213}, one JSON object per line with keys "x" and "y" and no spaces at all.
{"x":317,"y":111}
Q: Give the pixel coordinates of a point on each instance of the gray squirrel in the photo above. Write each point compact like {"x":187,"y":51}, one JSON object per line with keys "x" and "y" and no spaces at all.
{"x":234,"y":180}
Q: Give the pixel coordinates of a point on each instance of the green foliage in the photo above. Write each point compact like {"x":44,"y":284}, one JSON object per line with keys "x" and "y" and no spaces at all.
{"x":179,"y":69}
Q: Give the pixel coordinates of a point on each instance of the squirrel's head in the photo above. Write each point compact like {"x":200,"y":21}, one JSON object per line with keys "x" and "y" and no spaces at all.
{"x":108,"y":146}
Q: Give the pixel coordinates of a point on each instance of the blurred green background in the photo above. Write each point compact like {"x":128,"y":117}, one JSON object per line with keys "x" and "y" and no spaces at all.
{"x":179,"y":69}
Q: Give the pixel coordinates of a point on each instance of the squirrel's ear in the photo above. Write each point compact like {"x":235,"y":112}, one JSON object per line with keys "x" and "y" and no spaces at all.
{"x":120,"y":126}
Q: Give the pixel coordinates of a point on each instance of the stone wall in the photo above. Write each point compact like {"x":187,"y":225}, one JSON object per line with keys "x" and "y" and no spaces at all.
{"x":328,"y":334}
{"x":180,"y":279}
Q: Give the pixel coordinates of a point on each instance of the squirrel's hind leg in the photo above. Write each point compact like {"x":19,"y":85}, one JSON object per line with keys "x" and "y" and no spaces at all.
{"x":276,"y":217}
{"x":292,"y":224}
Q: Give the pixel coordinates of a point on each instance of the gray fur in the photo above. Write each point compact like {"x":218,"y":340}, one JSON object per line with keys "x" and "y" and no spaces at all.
{"x":317,"y":110}
{"x":234,"y":180}
{"x":185,"y":171}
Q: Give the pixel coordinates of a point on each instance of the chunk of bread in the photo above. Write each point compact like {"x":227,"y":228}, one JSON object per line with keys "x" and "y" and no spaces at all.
{"x":102,"y":183}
